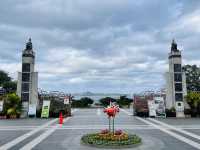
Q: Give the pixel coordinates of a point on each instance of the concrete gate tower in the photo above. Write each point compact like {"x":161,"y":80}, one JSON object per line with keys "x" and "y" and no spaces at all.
{"x":176,"y":82}
{"x":27,"y":86}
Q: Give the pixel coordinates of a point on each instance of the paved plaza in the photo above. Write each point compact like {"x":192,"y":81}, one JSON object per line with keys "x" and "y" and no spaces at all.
{"x":157,"y":134}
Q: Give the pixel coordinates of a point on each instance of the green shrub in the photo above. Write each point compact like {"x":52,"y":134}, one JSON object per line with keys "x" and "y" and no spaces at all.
{"x":12,"y":105}
{"x":106,"y":101}
{"x":84,"y":102}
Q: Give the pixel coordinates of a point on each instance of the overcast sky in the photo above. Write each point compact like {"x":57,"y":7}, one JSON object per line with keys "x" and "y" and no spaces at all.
{"x":99,"y":46}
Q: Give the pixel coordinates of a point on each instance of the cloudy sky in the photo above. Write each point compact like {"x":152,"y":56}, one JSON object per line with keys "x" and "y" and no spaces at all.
{"x":99,"y":46}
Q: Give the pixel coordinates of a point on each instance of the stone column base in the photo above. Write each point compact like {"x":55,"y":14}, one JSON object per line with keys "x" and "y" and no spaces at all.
{"x":24,"y":113}
{"x":180,"y":115}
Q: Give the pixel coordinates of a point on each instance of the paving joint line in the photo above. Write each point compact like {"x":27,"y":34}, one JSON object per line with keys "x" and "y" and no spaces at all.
{"x":43,"y":136}
{"x":175,"y":135}
{"x":176,"y":129}
{"x":27,"y":135}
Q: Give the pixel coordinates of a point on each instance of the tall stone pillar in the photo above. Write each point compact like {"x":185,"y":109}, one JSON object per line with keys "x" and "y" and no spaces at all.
{"x":27,"y":87}
{"x":176,"y":83}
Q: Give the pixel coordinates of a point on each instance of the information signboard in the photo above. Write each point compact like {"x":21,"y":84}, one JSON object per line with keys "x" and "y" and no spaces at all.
{"x":66,"y":100}
{"x":152,"y":108}
{"x":45,"y":109}
{"x":32,"y":110}
{"x":160,"y":106}
{"x":1,"y":106}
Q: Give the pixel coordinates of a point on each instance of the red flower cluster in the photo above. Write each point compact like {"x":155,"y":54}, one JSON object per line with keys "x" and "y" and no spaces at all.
{"x":111,"y":111}
{"x":104,"y":131}
{"x":109,"y":136}
{"x":118,"y":132}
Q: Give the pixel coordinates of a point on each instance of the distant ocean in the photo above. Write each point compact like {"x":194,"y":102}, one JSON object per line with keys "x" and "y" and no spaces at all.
{"x":96,"y":98}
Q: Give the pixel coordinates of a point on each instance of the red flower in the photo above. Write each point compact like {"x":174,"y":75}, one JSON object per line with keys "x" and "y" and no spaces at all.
{"x":104,"y":131}
{"x":118,"y":132}
{"x":111,"y":111}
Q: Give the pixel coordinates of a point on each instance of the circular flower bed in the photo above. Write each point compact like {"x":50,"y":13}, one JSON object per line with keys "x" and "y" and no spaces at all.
{"x":106,"y":139}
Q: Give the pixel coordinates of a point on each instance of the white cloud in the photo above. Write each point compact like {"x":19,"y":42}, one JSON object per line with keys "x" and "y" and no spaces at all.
{"x":11,"y":69}
{"x":98,"y":45}
{"x":186,"y":23}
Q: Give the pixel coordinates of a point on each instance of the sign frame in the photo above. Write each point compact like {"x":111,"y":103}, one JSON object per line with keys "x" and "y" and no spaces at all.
{"x":45,"y":109}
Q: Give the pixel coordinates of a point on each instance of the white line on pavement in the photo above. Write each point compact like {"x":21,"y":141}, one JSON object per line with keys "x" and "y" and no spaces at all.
{"x":40,"y":138}
{"x":177,"y":136}
{"x":176,"y":129}
{"x":98,"y":112}
{"x":26,"y":135}
{"x":99,"y":128}
{"x":126,"y":112}
{"x":43,"y":136}
{"x":82,"y":127}
{"x":74,"y":110}
{"x":16,"y":129}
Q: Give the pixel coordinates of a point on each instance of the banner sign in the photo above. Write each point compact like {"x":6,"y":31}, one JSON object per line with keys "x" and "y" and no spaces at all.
{"x":45,"y":109}
{"x":160,"y":106}
{"x":66,"y":100}
{"x":152,"y":108}
{"x":1,"y":106}
{"x":157,"y":107}
{"x":32,"y":110}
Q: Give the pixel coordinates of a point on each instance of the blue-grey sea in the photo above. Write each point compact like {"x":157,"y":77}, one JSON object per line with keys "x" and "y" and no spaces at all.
{"x":96,"y":98}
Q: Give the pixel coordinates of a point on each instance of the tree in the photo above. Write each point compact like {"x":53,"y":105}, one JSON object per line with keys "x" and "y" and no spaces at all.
{"x":124,"y":101}
{"x":6,"y":82}
{"x":192,"y":77}
{"x":10,"y":86}
{"x":193,"y":99}
{"x":106,"y":101}
{"x":56,"y":107}
{"x":76,"y":103}
{"x":4,"y":77}
{"x":87,"y":100}
{"x":83,"y":102}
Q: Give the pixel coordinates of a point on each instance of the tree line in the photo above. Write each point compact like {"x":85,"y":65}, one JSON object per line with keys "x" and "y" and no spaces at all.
{"x":193,"y":89}
{"x":11,"y":102}
{"x":7,"y":83}
{"x":87,"y":102}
